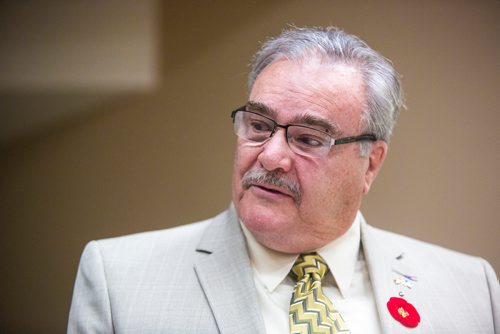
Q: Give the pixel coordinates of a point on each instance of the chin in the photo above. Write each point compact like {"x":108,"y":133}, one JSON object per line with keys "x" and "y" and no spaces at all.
{"x":263,"y":219}
{"x":258,"y":221}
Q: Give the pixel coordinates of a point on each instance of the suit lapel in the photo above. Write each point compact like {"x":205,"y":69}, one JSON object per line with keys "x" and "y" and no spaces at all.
{"x":385,"y":259}
{"x":226,"y":277}
{"x":379,"y":268}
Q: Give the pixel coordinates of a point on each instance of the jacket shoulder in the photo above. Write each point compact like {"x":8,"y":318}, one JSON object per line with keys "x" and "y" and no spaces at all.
{"x":174,"y":245}
{"x":420,"y":247}
{"x":170,"y":237}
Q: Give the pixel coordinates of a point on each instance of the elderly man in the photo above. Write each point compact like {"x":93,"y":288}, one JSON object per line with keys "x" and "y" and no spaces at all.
{"x":293,"y":254}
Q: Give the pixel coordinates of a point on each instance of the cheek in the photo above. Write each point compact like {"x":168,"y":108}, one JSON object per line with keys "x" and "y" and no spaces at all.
{"x":332,"y":187}
{"x":324,"y":189}
{"x":244,"y":159}
{"x":345,"y":188}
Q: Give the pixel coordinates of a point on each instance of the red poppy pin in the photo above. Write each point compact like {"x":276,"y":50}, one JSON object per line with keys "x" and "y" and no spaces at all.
{"x":403,"y":312}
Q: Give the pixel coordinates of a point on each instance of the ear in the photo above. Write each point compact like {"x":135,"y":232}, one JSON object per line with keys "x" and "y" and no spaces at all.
{"x":375,"y":160}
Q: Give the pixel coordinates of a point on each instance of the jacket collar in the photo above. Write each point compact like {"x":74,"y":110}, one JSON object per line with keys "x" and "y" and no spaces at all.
{"x":225,"y":274}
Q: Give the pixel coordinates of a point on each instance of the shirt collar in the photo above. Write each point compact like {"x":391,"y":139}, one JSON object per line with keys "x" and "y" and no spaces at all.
{"x":272,"y":267}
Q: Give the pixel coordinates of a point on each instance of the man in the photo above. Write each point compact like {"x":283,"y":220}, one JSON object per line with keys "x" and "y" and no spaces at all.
{"x":293,"y":253}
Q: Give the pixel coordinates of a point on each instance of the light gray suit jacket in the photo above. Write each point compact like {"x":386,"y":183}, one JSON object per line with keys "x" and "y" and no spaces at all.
{"x":198,"y":279}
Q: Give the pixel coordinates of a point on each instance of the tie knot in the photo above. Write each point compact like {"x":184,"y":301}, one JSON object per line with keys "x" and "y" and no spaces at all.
{"x":308,"y":264}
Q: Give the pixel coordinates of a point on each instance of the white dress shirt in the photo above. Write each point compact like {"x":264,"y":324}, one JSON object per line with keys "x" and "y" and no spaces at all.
{"x":347,"y":284}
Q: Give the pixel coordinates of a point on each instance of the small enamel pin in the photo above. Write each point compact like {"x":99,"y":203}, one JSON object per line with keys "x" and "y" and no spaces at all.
{"x":403,"y":282}
{"x":403,"y":312}
{"x":407,"y":277}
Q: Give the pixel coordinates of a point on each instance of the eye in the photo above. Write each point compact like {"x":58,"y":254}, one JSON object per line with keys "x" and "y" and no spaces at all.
{"x":256,"y":125}
{"x":309,"y":140}
{"x":305,"y":138}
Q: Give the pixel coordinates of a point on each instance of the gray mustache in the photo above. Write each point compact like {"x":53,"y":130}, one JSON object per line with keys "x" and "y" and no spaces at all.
{"x":275,"y":178}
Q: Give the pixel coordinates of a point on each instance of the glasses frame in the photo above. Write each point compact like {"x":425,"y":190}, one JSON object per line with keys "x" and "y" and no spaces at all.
{"x":333,"y":141}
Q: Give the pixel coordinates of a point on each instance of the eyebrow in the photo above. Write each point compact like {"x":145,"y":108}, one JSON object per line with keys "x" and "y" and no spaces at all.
{"x":311,"y":120}
{"x":306,"y":119}
{"x":261,"y":109}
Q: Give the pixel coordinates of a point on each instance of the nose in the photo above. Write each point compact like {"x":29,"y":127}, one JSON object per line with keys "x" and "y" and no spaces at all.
{"x":276,"y":153}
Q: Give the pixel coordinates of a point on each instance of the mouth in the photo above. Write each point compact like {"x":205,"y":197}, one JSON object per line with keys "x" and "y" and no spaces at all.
{"x":272,"y":189}
{"x":272,"y":185}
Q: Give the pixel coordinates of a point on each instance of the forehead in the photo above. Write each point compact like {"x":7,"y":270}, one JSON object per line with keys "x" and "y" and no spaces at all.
{"x":334,"y":92}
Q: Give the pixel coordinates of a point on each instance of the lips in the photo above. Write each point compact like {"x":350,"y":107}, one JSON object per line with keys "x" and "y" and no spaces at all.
{"x":272,"y":189}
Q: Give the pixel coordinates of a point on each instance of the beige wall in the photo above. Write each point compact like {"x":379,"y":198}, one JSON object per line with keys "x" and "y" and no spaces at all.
{"x":164,"y":158}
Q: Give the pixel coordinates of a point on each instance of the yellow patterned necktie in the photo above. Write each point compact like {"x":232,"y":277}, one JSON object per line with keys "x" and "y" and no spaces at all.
{"x":310,"y":310}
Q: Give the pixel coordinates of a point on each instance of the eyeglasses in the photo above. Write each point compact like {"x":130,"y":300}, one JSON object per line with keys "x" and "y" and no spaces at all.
{"x":303,"y":140}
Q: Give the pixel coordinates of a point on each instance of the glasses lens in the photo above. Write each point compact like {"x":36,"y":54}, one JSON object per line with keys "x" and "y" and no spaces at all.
{"x":308,"y":141}
{"x":253,"y":127}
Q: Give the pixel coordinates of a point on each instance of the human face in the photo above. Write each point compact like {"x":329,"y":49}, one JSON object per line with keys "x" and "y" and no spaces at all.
{"x":330,"y":98}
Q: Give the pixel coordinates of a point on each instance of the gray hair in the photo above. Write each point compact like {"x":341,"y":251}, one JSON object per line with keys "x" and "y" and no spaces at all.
{"x":382,"y":82}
